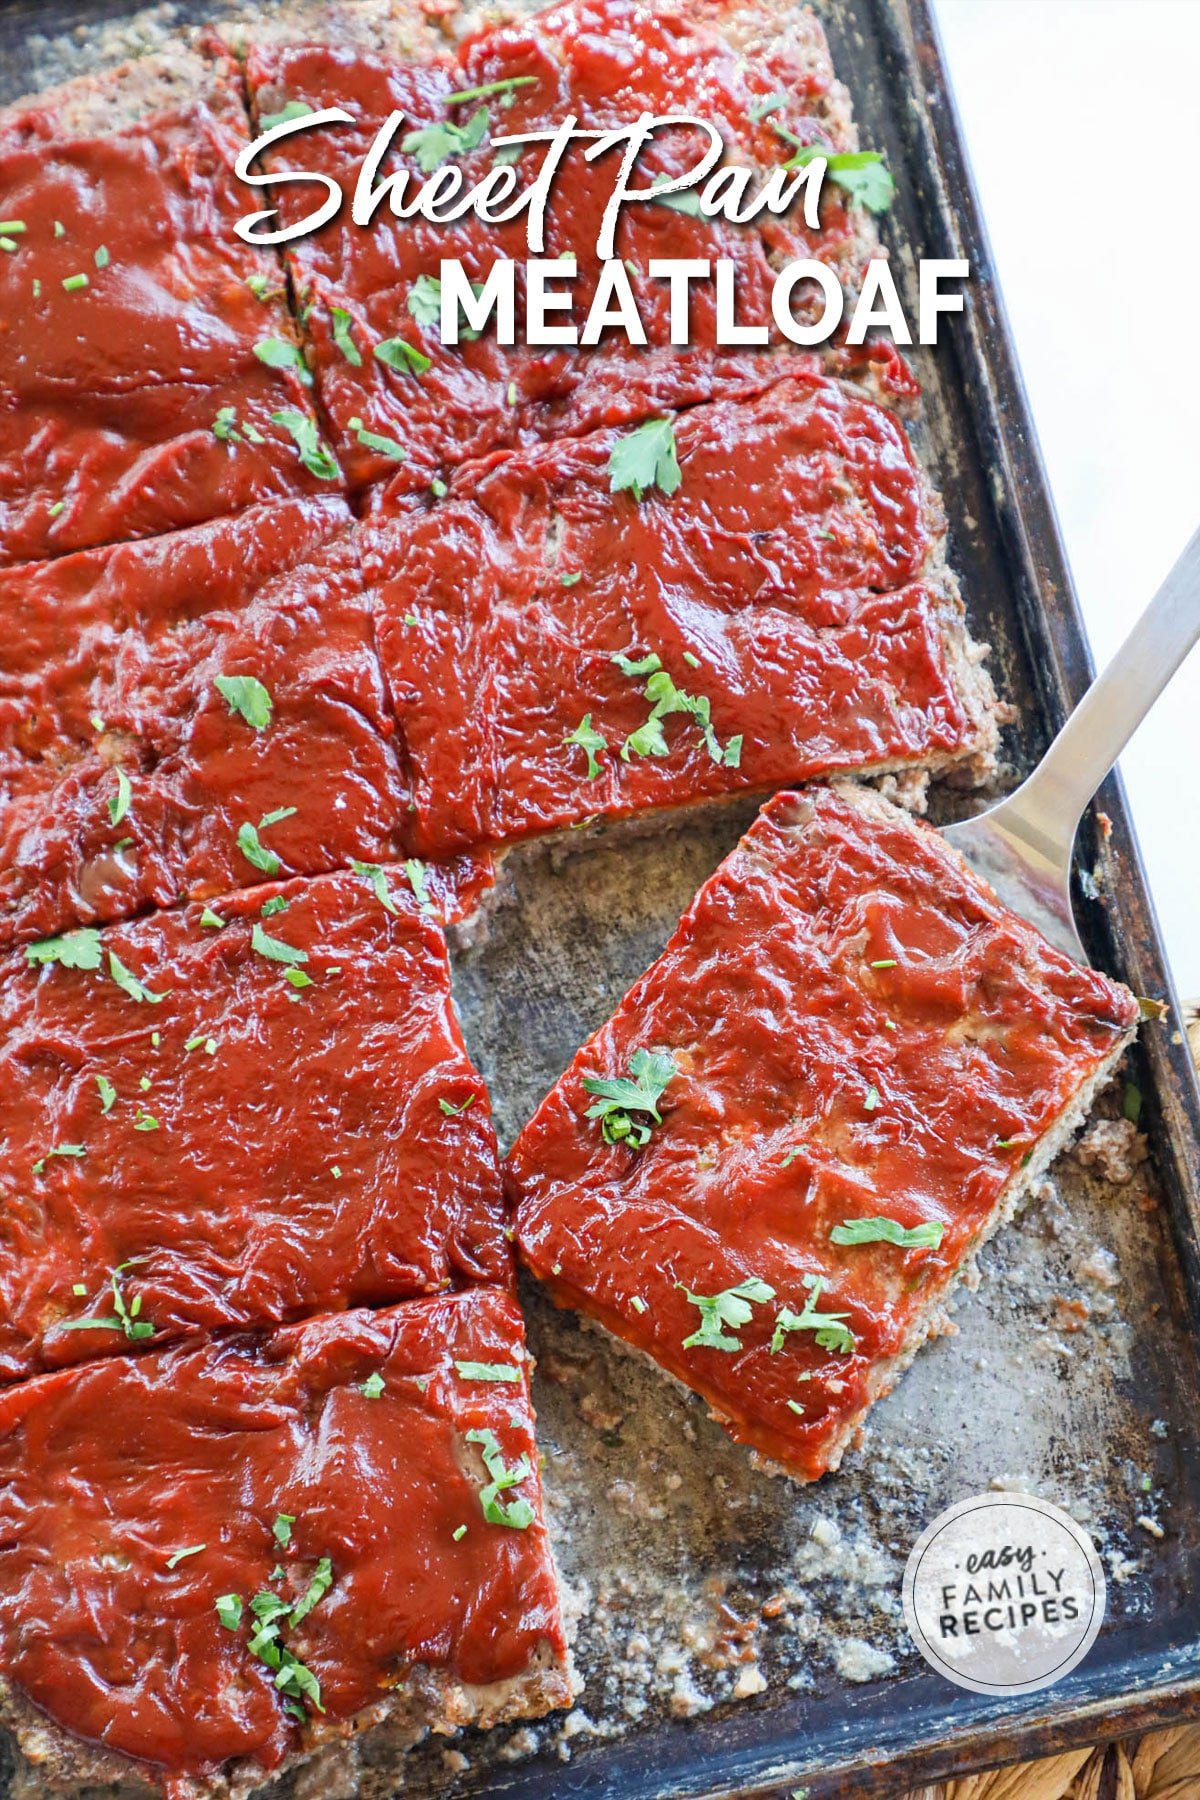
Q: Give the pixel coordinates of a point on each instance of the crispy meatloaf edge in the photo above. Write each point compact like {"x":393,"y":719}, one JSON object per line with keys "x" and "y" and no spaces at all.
{"x":934,"y":1318}
{"x":430,"y":1702}
{"x":115,"y":99}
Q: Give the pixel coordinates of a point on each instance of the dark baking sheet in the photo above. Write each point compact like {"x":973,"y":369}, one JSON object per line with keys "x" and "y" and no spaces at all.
{"x":563,"y":949}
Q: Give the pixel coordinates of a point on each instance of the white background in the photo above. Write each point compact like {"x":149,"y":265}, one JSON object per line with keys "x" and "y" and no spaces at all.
{"x":1082,"y":121}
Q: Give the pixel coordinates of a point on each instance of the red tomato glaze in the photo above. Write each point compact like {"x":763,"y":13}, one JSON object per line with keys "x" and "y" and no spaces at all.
{"x":783,"y":583}
{"x":111,"y":664}
{"x":606,"y":62}
{"x":252,"y":1149}
{"x":109,"y":1471}
{"x":860,"y":1030}
{"x":110,"y":388}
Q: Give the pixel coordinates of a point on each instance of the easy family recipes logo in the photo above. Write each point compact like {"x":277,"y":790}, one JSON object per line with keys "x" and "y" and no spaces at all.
{"x":807,"y":301}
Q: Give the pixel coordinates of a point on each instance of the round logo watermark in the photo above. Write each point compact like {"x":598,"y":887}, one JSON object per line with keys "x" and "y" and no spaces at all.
{"x":1004,"y":1594}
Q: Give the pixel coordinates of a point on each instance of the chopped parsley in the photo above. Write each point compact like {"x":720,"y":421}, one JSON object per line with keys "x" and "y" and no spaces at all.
{"x":229,"y":1610}
{"x":178,"y":1556}
{"x":507,"y":86}
{"x":68,"y":1150}
{"x":885,"y":962}
{"x":438,"y":488}
{"x":733,"y":1308}
{"x":831,"y":1333}
{"x":274,"y":949}
{"x":372,"y":1387}
{"x":124,"y":1317}
{"x":638,"y":1304}
{"x":146,"y":1122}
{"x":73,"y":284}
{"x":118,"y":805}
{"x":416,"y":875}
{"x":398,"y":353}
{"x":108,"y":1093}
{"x":871,"y":1098}
{"x":862,"y":174}
{"x":297,"y":978}
{"x":212,"y":921}
{"x":225,"y":424}
{"x":252,"y":847}
{"x":888,"y":1231}
{"x":317,"y":457}
{"x":571,"y":579}
{"x":452,"y":1110}
{"x":318,"y":1587}
{"x":129,"y":983}
{"x":645,"y":458}
{"x":73,"y":950}
{"x":342,"y":322}
{"x":459,"y":1532}
{"x":260,"y":286}
{"x":276,"y":904}
{"x":589,"y":741}
{"x":101,"y":257}
{"x":433,"y":145}
{"x":374,"y":440}
{"x":281,"y":1530}
{"x":246,"y":695}
{"x":666,"y":699}
{"x":425,"y":300}
{"x":377,"y":877}
{"x":481,"y":1371}
{"x":517,"y":1514}
{"x":687,"y":200}
{"x":619,"y":1098}
{"x":295,"y":109}
{"x":282,"y":353}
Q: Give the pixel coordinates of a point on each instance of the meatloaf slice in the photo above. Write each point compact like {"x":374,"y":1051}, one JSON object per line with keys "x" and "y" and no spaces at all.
{"x":160,"y":698}
{"x":218,"y":1558}
{"x":149,"y":372}
{"x":557,"y":651}
{"x":405,"y":407}
{"x":770,"y":1168}
{"x":229,"y":1116}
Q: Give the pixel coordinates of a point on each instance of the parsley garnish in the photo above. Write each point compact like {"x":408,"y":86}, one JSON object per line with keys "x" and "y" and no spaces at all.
{"x":317,"y":457}
{"x":459,"y":1532}
{"x":118,"y":806}
{"x":645,"y":458}
{"x":297,"y":978}
{"x":377,"y":877}
{"x":831,"y":1333}
{"x":281,"y":1530}
{"x":374,"y":440}
{"x":416,"y":874}
{"x":74,"y":949}
{"x":146,"y":1122}
{"x":101,"y":257}
{"x":638,"y":1092}
{"x":274,"y":949}
{"x":276,"y":904}
{"x":74,"y":284}
{"x":246,"y":695}
{"x":733,"y":1308}
{"x":123,"y":1317}
{"x":665,"y":699}
{"x":225,"y":424}
{"x":293,"y":1680}
{"x":398,"y":353}
{"x":687,"y":200}
{"x":129,"y":982}
{"x":260,"y":287}
{"x":863,"y":174}
{"x":212,"y":920}
{"x":69,"y":1150}
{"x":318,"y":1587}
{"x":251,"y":846}
{"x":481,"y":1371}
{"x":887,"y":1231}
{"x":590,"y":742}
{"x":372,"y":1387}
{"x":281,"y":353}
{"x":177,"y":1556}
{"x":108,"y":1093}
{"x":452,"y":1110}
{"x":518,"y":1514}
{"x":342,"y":322}
{"x":425,"y":304}
{"x":760,"y":108}
{"x":295,"y":109}
{"x":229,"y":1610}
{"x":489,"y":88}
{"x":433,"y":145}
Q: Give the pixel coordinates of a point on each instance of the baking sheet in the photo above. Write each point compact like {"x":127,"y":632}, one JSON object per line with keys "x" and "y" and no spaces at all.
{"x":739,"y":1635}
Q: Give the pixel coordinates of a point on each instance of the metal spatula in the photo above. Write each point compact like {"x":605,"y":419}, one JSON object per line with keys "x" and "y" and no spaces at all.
{"x":1024,"y":845}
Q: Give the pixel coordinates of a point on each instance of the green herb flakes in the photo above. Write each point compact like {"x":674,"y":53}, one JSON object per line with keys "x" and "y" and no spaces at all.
{"x":733,"y":1308}
{"x":297,"y":978}
{"x":74,"y":284}
{"x":124,"y":1317}
{"x":107,"y":1092}
{"x":627,"y":1105}
{"x":377,"y":877}
{"x":229,"y":1610}
{"x":342,"y":322}
{"x":282,"y":353}
{"x":433,"y":145}
{"x":829,"y":1330}
{"x":245,"y":695}
{"x":645,"y":458}
{"x":101,"y":257}
{"x":212,"y":921}
{"x":129,"y":983}
{"x":274,"y":949}
{"x":295,"y":109}
{"x":281,"y":1530}
{"x":453,"y":1109}
{"x":317,"y":457}
{"x":507,"y":86}
{"x":398,"y":353}
{"x":178,"y":1556}
{"x":518,"y":1514}
{"x":459,"y":1533}
{"x":590,"y":742}
{"x":926,"y":1236}
{"x":372,"y":1387}
{"x":73,"y":950}
{"x":118,"y":805}
{"x":481,"y":1371}
{"x":416,"y":875}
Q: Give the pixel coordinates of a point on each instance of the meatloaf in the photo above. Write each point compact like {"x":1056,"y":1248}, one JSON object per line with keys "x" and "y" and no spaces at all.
{"x":217,"y":1558}
{"x":769,"y":1169}
{"x":150,"y":376}
{"x":188,"y":713}
{"x":235,"y":1114}
{"x":769,"y":607}
{"x":404,"y":406}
